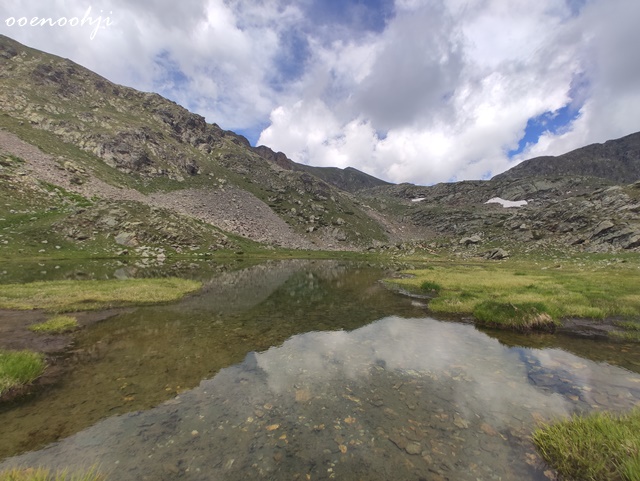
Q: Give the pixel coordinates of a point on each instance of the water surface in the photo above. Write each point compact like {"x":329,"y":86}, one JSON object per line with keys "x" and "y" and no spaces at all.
{"x":312,"y":371}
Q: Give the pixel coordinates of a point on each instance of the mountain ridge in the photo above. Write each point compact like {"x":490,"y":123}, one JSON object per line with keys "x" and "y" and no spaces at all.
{"x":617,"y":160}
{"x":76,"y":148}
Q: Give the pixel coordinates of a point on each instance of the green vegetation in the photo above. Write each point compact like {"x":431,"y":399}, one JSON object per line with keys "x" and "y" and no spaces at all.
{"x":628,"y":325}
{"x":68,"y":296}
{"x":40,"y":474}
{"x":631,"y":336}
{"x":56,"y":325}
{"x":430,"y":286}
{"x":19,"y":367}
{"x":528,"y":295}
{"x":522,"y":317}
{"x":601,"y":446}
{"x":630,"y":331}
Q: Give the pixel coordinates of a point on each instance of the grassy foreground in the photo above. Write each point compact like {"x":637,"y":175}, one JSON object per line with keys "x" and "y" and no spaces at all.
{"x":41,"y":474}
{"x":601,"y":446}
{"x":68,"y":296}
{"x":528,"y":296}
{"x":19,"y":367}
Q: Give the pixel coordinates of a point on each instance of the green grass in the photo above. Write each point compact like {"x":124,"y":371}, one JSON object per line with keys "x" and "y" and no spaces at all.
{"x":56,"y":325}
{"x":601,"y":446}
{"x":522,"y":317}
{"x":19,"y":367}
{"x":430,"y":286}
{"x":631,"y":336}
{"x":68,"y":296}
{"x":628,"y":325}
{"x":531,"y":294}
{"x":41,"y":474}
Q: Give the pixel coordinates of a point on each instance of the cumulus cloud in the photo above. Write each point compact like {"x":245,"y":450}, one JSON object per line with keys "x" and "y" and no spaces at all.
{"x":209,"y":55}
{"x":448,"y":88}
{"x":408,"y":90}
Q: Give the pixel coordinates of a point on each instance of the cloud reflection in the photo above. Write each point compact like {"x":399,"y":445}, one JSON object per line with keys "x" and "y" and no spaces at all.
{"x":446,"y":383}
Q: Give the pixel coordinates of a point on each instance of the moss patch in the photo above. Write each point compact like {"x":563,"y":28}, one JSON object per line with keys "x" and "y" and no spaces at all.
{"x":68,"y":296}
{"x":601,"y":446}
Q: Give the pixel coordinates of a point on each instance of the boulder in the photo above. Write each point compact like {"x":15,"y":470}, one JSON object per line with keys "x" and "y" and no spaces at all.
{"x":633,"y":242}
{"x":127,"y":239}
{"x":496,"y":254}
{"x":603,"y":226}
{"x":474,"y":239}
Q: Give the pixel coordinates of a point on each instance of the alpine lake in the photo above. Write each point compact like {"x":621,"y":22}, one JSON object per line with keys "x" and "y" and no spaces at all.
{"x":304,"y":370}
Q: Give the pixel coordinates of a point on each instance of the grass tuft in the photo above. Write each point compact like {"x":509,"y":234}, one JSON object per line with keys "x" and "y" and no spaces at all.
{"x":19,"y":367}
{"x":41,"y":474}
{"x":56,"y":325}
{"x":522,"y":317}
{"x":601,"y":446}
{"x":430,"y":286}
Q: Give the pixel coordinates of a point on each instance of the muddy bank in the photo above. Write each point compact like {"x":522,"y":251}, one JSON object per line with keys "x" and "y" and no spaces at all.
{"x":16,"y":336}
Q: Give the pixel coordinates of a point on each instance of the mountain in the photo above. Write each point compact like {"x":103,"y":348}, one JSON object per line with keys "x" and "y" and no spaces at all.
{"x":616,"y":160}
{"x":347,"y":179}
{"x":121,"y":145}
{"x":91,"y":168}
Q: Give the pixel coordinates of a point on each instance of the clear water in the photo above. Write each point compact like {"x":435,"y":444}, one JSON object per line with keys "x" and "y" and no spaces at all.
{"x":311,"y":371}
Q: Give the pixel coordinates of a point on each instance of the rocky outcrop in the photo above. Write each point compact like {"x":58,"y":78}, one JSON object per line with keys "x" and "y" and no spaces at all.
{"x":496,"y":254}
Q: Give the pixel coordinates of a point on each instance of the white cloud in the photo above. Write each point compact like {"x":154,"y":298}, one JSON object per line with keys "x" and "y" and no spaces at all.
{"x":453,"y":88}
{"x":224,"y":49}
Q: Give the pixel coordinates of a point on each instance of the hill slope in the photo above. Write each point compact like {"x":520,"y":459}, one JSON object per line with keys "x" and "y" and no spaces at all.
{"x":156,"y":151}
{"x":616,"y":160}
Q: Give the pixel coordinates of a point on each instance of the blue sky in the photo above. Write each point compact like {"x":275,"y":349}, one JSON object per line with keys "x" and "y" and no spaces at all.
{"x":546,"y":123}
{"x":419,"y":91}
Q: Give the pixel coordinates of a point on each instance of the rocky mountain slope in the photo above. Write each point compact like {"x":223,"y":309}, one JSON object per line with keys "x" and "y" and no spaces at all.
{"x":585,"y":213}
{"x":143,"y":148}
{"x":616,"y":160}
{"x":94,"y":168}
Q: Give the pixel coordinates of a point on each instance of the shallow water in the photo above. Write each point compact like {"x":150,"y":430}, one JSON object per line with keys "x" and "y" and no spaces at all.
{"x":313,"y":371}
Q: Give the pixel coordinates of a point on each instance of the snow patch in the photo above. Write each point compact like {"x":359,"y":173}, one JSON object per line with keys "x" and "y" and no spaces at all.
{"x":419,"y":199}
{"x":507,"y":203}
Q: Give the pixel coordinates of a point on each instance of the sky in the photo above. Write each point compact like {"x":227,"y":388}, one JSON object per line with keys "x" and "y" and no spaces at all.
{"x":420,"y":91}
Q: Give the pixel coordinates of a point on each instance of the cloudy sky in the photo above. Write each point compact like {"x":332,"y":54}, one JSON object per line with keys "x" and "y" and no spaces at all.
{"x":419,"y":91}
